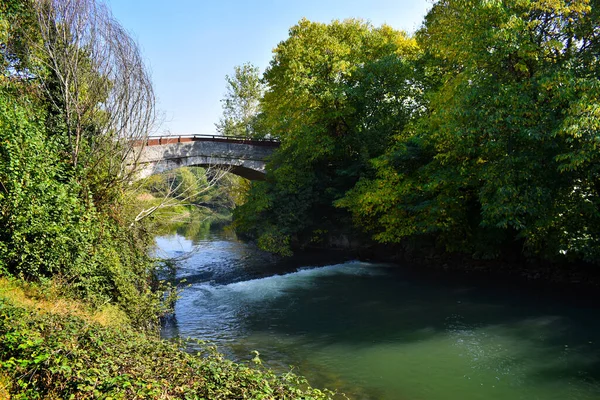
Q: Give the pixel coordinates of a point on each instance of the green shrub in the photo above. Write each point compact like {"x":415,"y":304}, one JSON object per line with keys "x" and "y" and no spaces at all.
{"x":58,"y":356}
{"x":52,"y":228}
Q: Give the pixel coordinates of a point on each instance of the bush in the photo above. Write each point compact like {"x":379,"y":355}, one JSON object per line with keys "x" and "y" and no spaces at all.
{"x":65,"y":356}
{"x":51,"y":227}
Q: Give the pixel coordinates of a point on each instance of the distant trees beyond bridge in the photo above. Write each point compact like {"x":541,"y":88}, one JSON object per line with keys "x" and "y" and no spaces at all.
{"x":244,"y":157}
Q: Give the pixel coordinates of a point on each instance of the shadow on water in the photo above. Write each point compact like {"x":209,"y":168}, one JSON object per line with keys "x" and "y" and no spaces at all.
{"x":351,"y":307}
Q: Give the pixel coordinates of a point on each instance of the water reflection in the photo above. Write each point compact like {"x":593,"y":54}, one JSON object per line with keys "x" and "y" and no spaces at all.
{"x":379,"y":332}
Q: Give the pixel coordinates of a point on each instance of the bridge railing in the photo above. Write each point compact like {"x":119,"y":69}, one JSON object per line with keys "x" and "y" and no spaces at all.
{"x":160,"y":140}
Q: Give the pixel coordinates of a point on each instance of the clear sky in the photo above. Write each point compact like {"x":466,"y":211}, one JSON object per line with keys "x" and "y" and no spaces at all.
{"x":190,"y":45}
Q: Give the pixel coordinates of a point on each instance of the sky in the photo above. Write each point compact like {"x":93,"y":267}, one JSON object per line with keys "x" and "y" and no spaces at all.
{"x":190,"y":45}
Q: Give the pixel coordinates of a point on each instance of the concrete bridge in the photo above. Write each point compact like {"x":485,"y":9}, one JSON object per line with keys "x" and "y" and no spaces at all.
{"x":244,"y":157}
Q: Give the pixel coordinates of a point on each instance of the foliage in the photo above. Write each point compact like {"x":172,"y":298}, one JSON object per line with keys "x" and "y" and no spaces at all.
{"x":49,"y":230}
{"x":481,"y":137}
{"x":498,"y":161}
{"x":210,"y":189}
{"x":16,"y":23}
{"x":99,"y":96}
{"x":337,"y":93}
{"x":241,"y":105}
{"x":61,"y":219}
{"x":65,"y":356}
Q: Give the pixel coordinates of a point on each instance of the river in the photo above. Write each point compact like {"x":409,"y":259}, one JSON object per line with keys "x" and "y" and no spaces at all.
{"x":378,"y":331}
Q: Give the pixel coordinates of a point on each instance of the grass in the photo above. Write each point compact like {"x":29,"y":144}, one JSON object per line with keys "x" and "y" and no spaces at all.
{"x":52,"y":298}
{"x":54,"y":347}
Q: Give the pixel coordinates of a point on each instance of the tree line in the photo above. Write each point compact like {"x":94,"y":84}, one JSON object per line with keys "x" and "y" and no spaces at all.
{"x":479,"y":134}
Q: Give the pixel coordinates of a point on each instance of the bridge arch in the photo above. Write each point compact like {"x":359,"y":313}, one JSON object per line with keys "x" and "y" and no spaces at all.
{"x":243,"y":157}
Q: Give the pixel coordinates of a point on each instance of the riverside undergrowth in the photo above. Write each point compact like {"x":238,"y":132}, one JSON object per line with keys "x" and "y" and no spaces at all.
{"x":49,"y":350}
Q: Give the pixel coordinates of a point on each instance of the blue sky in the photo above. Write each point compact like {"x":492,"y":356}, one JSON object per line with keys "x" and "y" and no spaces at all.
{"x":190,"y":45}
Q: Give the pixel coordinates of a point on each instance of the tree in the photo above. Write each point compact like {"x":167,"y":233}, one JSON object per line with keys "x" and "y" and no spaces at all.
{"x":16,"y":25}
{"x":241,"y":105}
{"x":99,"y":92}
{"x":336,"y":95}
{"x":73,"y":95}
{"x":503,"y":156}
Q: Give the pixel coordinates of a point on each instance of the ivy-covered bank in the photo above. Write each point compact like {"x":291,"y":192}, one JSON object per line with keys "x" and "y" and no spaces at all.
{"x":52,"y":347}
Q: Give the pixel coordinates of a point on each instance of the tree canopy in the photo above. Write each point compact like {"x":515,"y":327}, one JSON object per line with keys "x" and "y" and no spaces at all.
{"x":478,"y":135}
{"x":330,"y":90}
{"x":241,"y":105}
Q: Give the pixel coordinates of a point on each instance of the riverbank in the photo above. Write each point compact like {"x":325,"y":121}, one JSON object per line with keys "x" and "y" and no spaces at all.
{"x":52,"y":346}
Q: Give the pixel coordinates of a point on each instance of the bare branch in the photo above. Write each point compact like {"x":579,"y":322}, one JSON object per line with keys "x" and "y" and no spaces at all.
{"x":174,"y":196}
{"x":97,"y":82}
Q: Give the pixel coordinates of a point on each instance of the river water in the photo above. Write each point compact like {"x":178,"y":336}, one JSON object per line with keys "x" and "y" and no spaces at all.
{"x":377,"y":331}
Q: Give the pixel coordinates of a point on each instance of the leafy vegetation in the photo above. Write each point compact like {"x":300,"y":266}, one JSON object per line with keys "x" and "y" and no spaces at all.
{"x":75,"y":354}
{"x":191,"y":194}
{"x":79,"y":296}
{"x":63,"y":179}
{"x":478,"y":135}
{"x":335,"y":99}
{"x":241,"y":105}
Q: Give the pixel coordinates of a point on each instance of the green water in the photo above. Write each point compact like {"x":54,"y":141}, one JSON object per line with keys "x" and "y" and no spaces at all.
{"x":378,"y":331}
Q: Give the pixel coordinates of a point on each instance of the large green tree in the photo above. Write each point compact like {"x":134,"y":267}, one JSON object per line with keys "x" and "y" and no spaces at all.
{"x":336,"y":95}
{"x":506,"y":154}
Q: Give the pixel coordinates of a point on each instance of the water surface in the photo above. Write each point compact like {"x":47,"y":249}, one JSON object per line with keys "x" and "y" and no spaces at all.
{"x":377,"y":331}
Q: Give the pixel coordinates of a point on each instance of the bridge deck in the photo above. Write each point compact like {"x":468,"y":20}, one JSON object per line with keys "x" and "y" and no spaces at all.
{"x":161,"y":140}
